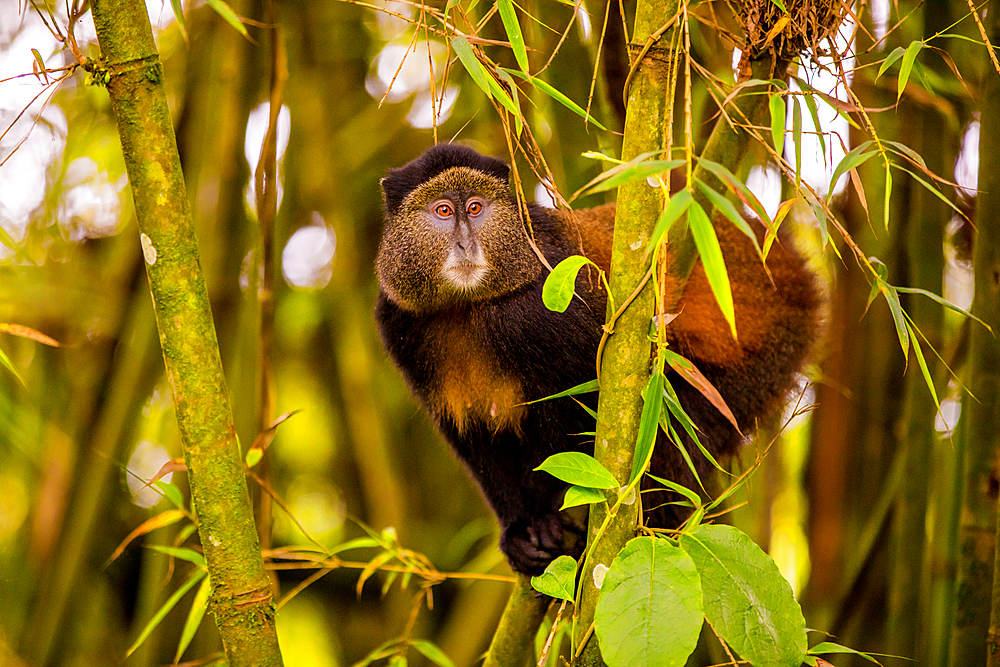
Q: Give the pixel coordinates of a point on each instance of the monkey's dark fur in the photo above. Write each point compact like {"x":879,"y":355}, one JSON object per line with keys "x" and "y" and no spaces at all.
{"x":460,"y":311}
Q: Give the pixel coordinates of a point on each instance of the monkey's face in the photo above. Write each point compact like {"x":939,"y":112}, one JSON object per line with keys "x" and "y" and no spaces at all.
{"x":455,"y":238}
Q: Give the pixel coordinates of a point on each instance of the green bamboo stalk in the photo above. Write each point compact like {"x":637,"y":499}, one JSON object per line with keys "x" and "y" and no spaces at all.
{"x":984,"y":350}
{"x":241,"y":597}
{"x":626,"y":357}
{"x":977,"y":617}
{"x":513,"y":644}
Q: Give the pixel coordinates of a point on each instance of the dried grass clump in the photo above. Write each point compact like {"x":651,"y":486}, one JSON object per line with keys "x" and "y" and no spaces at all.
{"x":807,"y":24}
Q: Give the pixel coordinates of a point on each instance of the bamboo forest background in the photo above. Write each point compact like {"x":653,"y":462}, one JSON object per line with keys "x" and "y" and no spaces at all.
{"x":878,"y":507}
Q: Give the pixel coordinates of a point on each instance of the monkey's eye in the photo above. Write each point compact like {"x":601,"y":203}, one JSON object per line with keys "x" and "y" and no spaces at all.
{"x":443,"y":209}
{"x":474,"y":207}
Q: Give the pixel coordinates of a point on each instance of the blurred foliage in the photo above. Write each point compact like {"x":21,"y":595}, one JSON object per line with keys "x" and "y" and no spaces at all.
{"x":360,"y":457}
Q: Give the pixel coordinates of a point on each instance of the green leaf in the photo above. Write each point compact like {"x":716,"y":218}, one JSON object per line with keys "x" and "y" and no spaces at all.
{"x":776,"y":103}
{"x":824,"y":648}
{"x":855,"y":158}
{"x":162,"y":612}
{"x":888,"y":194}
{"x":892,"y":297}
{"x":728,"y":209}
{"x":797,"y":138}
{"x":944,"y":302}
{"x":650,"y":609}
{"x":652,"y":397}
{"x":558,"y":97}
{"x":585,"y":388}
{"x":189,"y":555}
{"x":9,"y":365}
{"x":581,"y":495}
{"x":171,"y":493}
{"x":226,"y":12}
{"x":747,"y":600}
{"x":907,"y":65}
{"x":513,"y":28}
{"x":479,"y":74}
{"x":579,"y":469}
{"x":518,"y":115}
{"x":558,"y":580}
{"x":356,"y":543}
{"x":677,"y":205}
{"x":738,"y":187}
{"x":923,"y":364}
{"x":679,"y":488}
{"x":557,"y":292}
{"x":179,"y":15}
{"x":780,"y":5}
{"x":629,"y":172}
{"x":711,"y":259}
{"x":432,"y":652}
{"x":195,"y":614}
{"x":896,"y":54}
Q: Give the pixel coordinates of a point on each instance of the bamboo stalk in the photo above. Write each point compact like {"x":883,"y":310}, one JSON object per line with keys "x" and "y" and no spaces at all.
{"x":241,"y":597}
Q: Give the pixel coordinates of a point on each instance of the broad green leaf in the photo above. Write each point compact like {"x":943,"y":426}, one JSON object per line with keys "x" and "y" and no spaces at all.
{"x":581,"y":495}
{"x":776,"y":103}
{"x":855,"y":158}
{"x":195,"y":614}
{"x":513,"y":28}
{"x":650,"y":611}
{"x":227,"y":13}
{"x":585,"y":388}
{"x":579,"y":469}
{"x":558,"y":580}
{"x":559,"y":97}
{"x":907,"y":65}
{"x":747,"y":600}
{"x":728,"y":209}
{"x":652,"y":397}
{"x":896,"y":54}
{"x":711,"y":259}
{"x":161,"y":613}
{"x":432,"y":652}
{"x":557,"y":291}
{"x":677,"y":205}
{"x":189,"y":555}
{"x":518,"y":116}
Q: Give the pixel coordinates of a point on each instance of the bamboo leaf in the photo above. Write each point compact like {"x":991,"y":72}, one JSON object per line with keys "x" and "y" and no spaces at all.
{"x":797,"y":137}
{"x":558,"y":96}
{"x":9,"y":365}
{"x":944,"y":302}
{"x":897,"y":317}
{"x":189,"y":555}
{"x":855,"y":158}
{"x":923,"y":364}
{"x":513,"y":28}
{"x":776,"y":103}
{"x":584,"y":388}
{"x":687,"y":370}
{"x":907,"y":66}
{"x":227,"y":13}
{"x":679,"y":488}
{"x":432,"y":652}
{"x":711,"y":259}
{"x":22,"y":331}
{"x":896,"y":54}
{"x":479,"y":74}
{"x":652,"y":397}
{"x":198,"y":607}
{"x":162,"y":612}
{"x":149,"y":525}
{"x":179,"y":15}
{"x":726,"y":208}
{"x":676,"y":206}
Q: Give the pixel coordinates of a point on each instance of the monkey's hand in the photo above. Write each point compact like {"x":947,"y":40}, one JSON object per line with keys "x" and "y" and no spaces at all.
{"x":530,"y":545}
